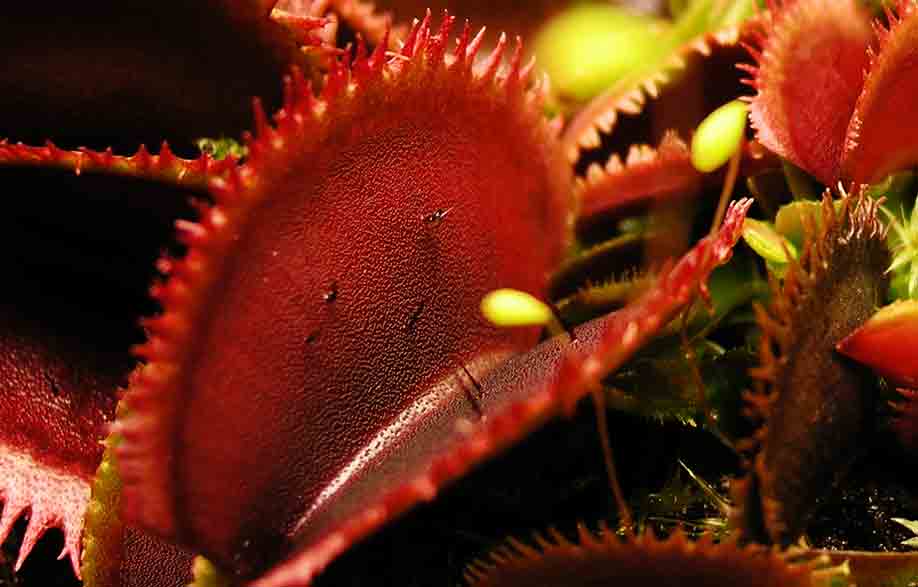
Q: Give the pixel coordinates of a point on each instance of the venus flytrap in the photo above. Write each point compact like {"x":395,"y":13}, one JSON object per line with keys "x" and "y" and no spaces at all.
{"x":246,"y":269}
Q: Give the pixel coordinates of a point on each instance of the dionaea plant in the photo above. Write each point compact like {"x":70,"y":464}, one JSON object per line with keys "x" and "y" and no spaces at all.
{"x":270,"y":353}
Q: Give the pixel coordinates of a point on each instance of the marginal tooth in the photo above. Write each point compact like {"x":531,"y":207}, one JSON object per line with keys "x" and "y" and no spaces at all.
{"x":217,"y":218}
{"x":606,"y":121}
{"x":12,"y":510}
{"x":72,"y":550}
{"x":634,"y":155}
{"x":594,"y":173}
{"x":543,"y":542}
{"x":761,"y":404}
{"x":499,"y":556}
{"x":614,"y":164}
{"x":36,"y":528}
{"x":475,"y":45}
{"x":560,"y":540}
{"x":702,"y":46}
{"x":513,"y":76}
{"x":633,"y":102}
{"x":524,"y":549}
{"x":573,"y":152}
{"x":586,"y":537}
{"x":190,"y":233}
{"x":607,"y":534}
{"x":526,"y":71}
{"x":425,"y":488}
{"x":590,"y":138}
{"x":764,"y":373}
{"x":492,"y":63}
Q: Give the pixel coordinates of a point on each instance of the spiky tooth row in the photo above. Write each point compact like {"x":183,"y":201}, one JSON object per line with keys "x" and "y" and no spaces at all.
{"x":301,"y":104}
{"x":607,"y":558}
{"x":647,"y":174}
{"x":884,"y":31}
{"x":630,"y":95}
{"x":163,"y":167}
{"x":50,"y":500}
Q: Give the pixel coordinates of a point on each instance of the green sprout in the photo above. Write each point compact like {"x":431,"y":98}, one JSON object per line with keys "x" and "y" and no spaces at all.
{"x":719,"y":136}
{"x":904,"y":239}
{"x":510,"y":307}
{"x":586,"y":49}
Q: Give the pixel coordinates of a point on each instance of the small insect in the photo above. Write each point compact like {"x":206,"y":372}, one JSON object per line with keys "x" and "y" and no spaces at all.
{"x":415,"y":316}
{"x":332,"y":294}
{"x":437,"y":215}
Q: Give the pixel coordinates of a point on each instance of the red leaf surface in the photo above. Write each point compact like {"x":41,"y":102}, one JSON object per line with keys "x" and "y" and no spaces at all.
{"x":883,"y":133}
{"x":809,"y":75}
{"x":515,"y":398}
{"x":78,"y":256}
{"x":151,"y":562}
{"x":888,"y":343}
{"x":331,"y":296}
{"x":58,"y":394}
